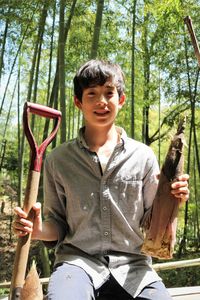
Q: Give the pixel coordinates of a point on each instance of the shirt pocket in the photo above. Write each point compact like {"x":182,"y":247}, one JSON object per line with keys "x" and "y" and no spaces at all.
{"x":89,"y":201}
{"x":130,"y":198}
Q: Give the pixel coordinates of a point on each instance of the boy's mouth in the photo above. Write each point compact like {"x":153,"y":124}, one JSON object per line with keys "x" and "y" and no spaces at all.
{"x":101,"y":113}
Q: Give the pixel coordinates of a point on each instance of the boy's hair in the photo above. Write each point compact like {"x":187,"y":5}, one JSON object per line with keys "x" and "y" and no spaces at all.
{"x":97,"y":72}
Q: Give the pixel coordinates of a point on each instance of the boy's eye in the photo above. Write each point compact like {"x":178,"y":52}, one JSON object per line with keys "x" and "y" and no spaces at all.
{"x":110,"y":94}
{"x":91,"y":93}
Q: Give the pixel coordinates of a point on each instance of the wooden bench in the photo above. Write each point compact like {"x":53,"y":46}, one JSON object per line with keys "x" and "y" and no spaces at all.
{"x":180,"y":293}
{"x":185,"y":293}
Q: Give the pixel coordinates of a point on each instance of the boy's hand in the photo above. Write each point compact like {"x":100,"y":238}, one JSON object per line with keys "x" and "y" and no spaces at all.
{"x":180,"y":188}
{"x":22,"y":226}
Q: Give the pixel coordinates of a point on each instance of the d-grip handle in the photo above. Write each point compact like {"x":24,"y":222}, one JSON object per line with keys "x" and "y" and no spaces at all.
{"x":44,"y":111}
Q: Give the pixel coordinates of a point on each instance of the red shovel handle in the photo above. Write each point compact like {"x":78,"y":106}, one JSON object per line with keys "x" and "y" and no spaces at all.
{"x":44,"y":111}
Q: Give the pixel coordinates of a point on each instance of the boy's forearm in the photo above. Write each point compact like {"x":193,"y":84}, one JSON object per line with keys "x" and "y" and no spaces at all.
{"x":49,"y":232}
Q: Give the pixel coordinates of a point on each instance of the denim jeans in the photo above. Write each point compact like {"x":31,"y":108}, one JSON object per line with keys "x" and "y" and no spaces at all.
{"x":69,"y":282}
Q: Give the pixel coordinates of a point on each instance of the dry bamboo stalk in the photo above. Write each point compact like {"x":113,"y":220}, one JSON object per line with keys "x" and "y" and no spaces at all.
{"x":188,"y":22}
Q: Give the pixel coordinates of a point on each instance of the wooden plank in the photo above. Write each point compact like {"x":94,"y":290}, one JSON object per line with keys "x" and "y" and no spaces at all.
{"x":185,"y":293}
{"x":188,"y":297}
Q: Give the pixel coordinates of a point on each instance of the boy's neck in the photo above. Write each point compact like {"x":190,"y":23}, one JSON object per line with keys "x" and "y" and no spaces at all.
{"x":99,"y":137}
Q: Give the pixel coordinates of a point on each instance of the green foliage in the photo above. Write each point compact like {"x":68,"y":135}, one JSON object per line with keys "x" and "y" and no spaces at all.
{"x":182,"y":277}
{"x":4,"y":291}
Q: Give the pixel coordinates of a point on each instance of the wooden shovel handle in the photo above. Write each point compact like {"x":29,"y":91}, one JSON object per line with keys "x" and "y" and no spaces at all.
{"x":23,"y":245}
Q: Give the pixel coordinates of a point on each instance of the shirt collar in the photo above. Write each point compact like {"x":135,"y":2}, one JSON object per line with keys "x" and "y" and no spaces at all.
{"x":83,"y":144}
{"x":81,"y":139}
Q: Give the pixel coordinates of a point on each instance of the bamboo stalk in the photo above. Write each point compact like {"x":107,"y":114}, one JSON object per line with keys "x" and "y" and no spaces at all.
{"x":188,"y":22}
{"x":177,"y":264}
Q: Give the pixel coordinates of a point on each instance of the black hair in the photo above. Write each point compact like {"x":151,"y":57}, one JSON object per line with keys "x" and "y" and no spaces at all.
{"x":97,"y":72}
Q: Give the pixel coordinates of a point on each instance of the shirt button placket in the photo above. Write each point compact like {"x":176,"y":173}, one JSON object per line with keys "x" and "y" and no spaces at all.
{"x":105,"y":213}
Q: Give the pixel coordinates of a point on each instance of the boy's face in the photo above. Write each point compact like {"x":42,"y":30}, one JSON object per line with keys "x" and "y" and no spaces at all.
{"x":100,"y":104}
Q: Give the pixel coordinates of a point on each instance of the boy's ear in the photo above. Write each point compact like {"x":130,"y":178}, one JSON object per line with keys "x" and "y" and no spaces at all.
{"x":77,"y":102}
{"x":122,"y":100}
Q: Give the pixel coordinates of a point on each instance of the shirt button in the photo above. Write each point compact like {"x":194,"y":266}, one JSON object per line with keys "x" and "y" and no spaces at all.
{"x":104,"y":208}
{"x":106,"y":233}
{"x":123,"y":195}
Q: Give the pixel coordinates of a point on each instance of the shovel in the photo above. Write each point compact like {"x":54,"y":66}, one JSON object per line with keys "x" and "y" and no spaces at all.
{"x":23,"y":245}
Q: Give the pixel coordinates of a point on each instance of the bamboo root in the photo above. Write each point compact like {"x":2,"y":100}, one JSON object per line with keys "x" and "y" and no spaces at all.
{"x":161,"y":231}
{"x":32,"y":289}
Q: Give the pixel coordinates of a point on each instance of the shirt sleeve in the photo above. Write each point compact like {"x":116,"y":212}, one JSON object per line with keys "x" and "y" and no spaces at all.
{"x":150,"y":186}
{"x":54,"y":209}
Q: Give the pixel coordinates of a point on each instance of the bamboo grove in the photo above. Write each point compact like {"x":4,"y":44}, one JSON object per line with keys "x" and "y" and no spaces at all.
{"x":42,"y":44}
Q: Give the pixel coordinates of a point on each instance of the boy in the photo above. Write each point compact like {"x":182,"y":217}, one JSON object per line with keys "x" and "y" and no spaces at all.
{"x":99,"y":188}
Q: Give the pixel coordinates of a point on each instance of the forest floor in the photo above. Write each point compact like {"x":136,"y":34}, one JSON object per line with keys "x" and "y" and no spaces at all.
{"x":7,"y":239}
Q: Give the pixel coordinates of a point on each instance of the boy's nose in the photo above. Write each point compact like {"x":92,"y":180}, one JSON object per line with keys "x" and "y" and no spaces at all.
{"x":102,"y":101}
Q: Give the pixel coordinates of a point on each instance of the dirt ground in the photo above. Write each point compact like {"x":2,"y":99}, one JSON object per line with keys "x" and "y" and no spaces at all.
{"x":8,"y":240}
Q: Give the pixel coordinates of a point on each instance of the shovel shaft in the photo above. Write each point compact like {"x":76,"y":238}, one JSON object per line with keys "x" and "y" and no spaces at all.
{"x":22,"y":250}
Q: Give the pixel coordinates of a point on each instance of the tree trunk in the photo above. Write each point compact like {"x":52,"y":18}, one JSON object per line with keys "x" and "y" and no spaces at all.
{"x":61,"y":51}
{"x":49,"y":101}
{"x":133,"y":72}
{"x":54,"y":91}
{"x":37,"y":55}
{"x":20,"y":158}
{"x":196,"y":196}
{"x":9,"y":110}
{"x":12,"y":68}
{"x":146,"y":71}
{"x":3,"y":149}
{"x":51,"y":52}
{"x":97,"y":28}
{"x":69,"y":130}
{"x":3,"y":46}
{"x":45,"y":260}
